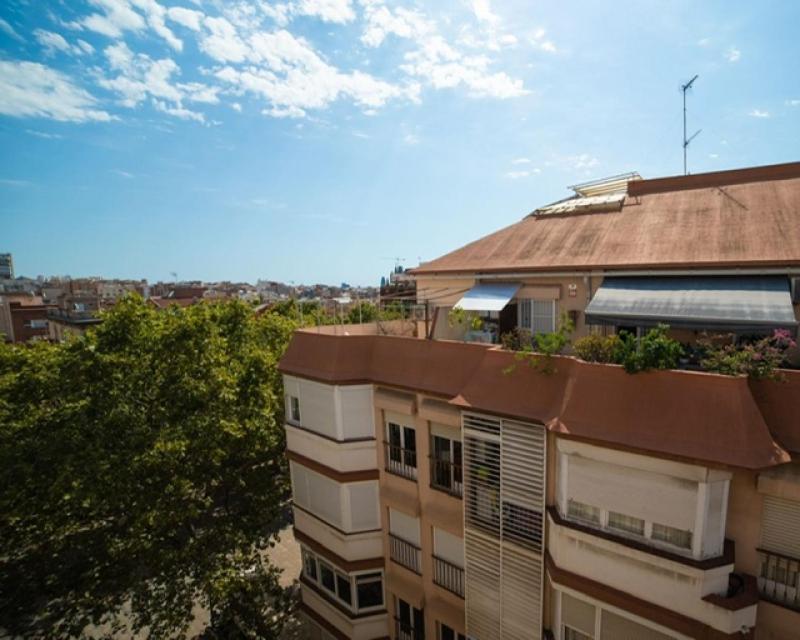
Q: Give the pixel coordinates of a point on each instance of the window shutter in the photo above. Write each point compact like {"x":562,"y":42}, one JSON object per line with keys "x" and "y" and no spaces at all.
{"x":780,"y":526}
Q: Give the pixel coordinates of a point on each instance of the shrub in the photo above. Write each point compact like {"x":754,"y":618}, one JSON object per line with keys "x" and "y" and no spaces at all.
{"x":654,"y":350}
{"x":539,"y":353}
{"x":458,"y":317}
{"x":759,"y":359}
{"x":517,"y":339}
{"x":597,"y":348}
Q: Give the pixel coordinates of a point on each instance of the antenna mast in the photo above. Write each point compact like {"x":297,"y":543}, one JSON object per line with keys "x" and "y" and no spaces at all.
{"x":684,"y":89}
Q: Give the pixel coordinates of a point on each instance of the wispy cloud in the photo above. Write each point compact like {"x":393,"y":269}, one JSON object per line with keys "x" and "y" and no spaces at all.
{"x":411,"y":139}
{"x":758,"y":113}
{"x":6,"y":28}
{"x":523,"y":173}
{"x":44,"y":134}
{"x":732,"y":54}
{"x":10,"y":182}
{"x":521,"y":161}
{"x":30,"y":89}
{"x":123,"y":174}
{"x":793,"y":103}
{"x":54,"y":42}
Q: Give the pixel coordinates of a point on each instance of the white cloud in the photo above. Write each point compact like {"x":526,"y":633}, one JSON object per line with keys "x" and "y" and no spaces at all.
{"x":703,"y":42}
{"x":139,"y":76}
{"x":521,"y":161}
{"x":582,"y":161}
{"x":540,"y":41}
{"x":483,"y":11}
{"x":117,"y":17}
{"x":713,"y":156}
{"x":123,"y":174}
{"x":53,"y":42}
{"x":382,"y":22}
{"x":411,"y":139}
{"x":522,"y":173}
{"x":188,"y":18}
{"x":758,"y":113}
{"x":156,"y":15}
{"x":236,"y":107}
{"x":733,"y":54}
{"x":6,"y":28}
{"x":29,"y":89}
{"x":10,"y":182}
{"x":222,"y":42}
{"x":85,"y":46}
{"x":793,"y":103}
{"x":340,"y":11}
{"x":44,"y":134}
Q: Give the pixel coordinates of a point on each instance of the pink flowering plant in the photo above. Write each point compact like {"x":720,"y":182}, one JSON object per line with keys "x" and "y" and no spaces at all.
{"x":760,"y":359}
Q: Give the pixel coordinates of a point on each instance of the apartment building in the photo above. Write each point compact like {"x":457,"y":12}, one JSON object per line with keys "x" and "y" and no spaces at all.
{"x":23,"y":317}
{"x":444,"y":491}
{"x":6,"y":266}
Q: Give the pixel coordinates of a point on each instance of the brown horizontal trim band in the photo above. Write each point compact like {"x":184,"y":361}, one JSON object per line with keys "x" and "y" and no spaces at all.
{"x":747,"y":597}
{"x":638,"y":607}
{"x":334,"y":603}
{"x":326,"y":437}
{"x":728,"y":555}
{"x":333,"y":526}
{"x":714,"y":179}
{"x":333,"y":474}
{"x":347,"y":565}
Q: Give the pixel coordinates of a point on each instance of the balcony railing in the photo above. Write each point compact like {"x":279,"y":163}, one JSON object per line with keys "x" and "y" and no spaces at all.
{"x":446,"y":476}
{"x":400,"y":461}
{"x":779,"y":579}
{"x":404,"y":553}
{"x":448,"y":576}
{"x":404,"y":631}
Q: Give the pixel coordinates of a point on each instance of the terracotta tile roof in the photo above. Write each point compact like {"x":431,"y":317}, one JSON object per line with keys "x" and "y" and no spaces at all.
{"x":723,"y":219}
{"x":693,"y":416}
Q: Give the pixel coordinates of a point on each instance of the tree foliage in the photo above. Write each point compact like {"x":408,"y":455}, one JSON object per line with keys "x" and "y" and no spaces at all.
{"x":142,"y":467}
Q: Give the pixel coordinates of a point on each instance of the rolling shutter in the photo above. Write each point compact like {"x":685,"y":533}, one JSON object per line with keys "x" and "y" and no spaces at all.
{"x":780,"y":526}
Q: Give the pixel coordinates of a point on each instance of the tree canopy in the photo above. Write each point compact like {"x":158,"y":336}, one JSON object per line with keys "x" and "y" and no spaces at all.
{"x":142,"y":467}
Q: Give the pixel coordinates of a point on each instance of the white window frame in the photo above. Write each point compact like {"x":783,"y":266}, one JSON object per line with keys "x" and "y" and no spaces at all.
{"x":527,"y":318}
{"x":293,"y":416}
{"x":456,"y":486}
{"x":352,"y":578}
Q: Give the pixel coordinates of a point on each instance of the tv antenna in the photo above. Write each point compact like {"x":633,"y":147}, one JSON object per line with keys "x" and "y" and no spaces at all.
{"x":686,"y":141}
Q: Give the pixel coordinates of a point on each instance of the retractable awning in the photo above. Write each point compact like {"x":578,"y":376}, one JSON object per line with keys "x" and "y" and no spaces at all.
{"x":489,"y":296}
{"x":734,"y":303}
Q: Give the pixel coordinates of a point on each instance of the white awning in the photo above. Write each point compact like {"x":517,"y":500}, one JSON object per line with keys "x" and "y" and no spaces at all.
{"x":737,"y":303}
{"x":488,"y":296}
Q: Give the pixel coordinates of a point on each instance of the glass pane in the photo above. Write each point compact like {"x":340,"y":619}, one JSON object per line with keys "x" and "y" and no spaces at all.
{"x":441,"y":448}
{"x":343,"y":587}
{"x":625,"y":523}
{"x":457,"y":461}
{"x":446,"y":633}
{"x":310,"y":565}
{"x":411,"y":447}
{"x":404,"y":611}
{"x":369,"y":592}
{"x":419,"y":622}
{"x":327,"y":577}
{"x":395,"y":444}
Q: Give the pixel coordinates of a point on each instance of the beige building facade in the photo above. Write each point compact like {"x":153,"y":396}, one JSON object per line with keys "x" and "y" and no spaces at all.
{"x":443,"y":490}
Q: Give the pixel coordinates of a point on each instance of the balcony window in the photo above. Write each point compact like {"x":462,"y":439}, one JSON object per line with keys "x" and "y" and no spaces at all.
{"x":409,"y":622}
{"x":369,"y":590}
{"x":626,"y":524}
{"x":401,"y":450}
{"x":539,"y":316}
{"x":446,"y":473}
{"x":581,"y":511}
{"x":294,"y":409}
{"x":404,"y":553}
{"x":672,"y":535}
{"x":447,"y":633}
{"x":340,"y":586}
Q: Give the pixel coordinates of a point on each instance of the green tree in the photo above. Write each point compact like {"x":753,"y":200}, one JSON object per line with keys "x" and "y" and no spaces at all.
{"x":363,"y":312}
{"x":141,"y":466}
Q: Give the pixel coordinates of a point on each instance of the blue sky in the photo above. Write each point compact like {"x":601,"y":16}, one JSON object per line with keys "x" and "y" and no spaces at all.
{"x":317,"y":140}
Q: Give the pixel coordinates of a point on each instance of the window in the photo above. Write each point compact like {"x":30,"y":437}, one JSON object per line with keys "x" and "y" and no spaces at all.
{"x":340,"y":586}
{"x":446,"y":465}
{"x":327,"y":577}
{"x":38,"y":324}
{"x":294,"y":408}
{"x":537,"y":315}
{"x":369,"y":590}
{"x":581,"y":511}
{"x":522,"y":524}
{"x":402,"y":450}
{"x":447,"y":633}
{"x":310,"y":565}
{"x":628,"y":524}
{"x":409,"y":622}
{"x":573,"y":634}
{"x":672,"y":535}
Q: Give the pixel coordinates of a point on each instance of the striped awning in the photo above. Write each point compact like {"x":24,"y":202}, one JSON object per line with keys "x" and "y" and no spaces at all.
{"x":733,"y":303}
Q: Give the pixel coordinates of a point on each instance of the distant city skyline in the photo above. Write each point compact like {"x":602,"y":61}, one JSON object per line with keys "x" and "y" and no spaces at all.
{"x":320,"y":140}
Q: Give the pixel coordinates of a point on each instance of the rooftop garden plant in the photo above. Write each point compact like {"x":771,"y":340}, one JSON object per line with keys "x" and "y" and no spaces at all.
{"x":760,"y":359}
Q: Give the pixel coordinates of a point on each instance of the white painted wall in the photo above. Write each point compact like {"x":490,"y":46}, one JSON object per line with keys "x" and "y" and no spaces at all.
{"x":448,"y":547}
{"x":342,"y":456}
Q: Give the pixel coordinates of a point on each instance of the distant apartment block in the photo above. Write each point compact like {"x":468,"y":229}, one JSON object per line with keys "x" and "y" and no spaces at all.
{"x":6,"y":266}
{"x":443,"y":491}
{"x":23,"y":317}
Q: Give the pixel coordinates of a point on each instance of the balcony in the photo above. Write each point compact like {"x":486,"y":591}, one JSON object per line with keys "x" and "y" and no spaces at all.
{"x":401,"y":461}
{"x":446,"y":476}
{"x":405,"y":554}
{"x":779,"y":579}
{"x":448,"y":576}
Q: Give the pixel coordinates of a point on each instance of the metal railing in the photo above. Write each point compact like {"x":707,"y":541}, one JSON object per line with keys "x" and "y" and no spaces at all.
{"x":404,"y":553}
{"x":404,"y":631}
{"x":779,"y":579}
{"x":400,"y":461}
{"x":448,"y":576}
{"x":446,"y":476}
